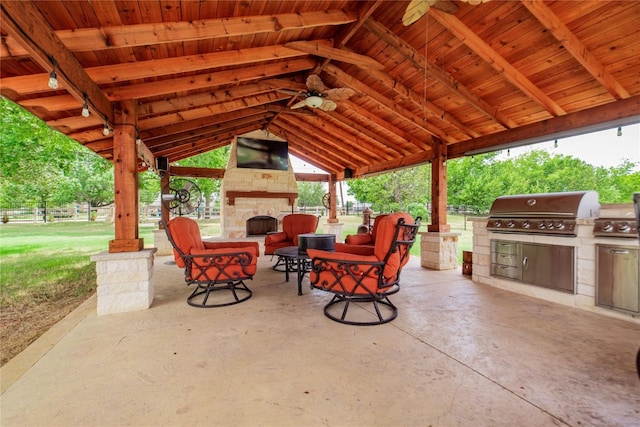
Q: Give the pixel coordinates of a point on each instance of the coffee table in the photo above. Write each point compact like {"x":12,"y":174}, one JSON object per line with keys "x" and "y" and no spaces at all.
{"x":291,"y":254}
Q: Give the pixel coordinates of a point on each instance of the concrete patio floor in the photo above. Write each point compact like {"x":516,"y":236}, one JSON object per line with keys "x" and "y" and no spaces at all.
{"x":459,"y":354}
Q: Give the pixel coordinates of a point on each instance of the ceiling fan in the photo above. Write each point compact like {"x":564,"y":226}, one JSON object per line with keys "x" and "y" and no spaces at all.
{"x":317,"y":97}
{"x":418,"y":8}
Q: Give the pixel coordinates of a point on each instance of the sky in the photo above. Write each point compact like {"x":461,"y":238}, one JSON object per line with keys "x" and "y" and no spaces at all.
{"x":604,"y":148}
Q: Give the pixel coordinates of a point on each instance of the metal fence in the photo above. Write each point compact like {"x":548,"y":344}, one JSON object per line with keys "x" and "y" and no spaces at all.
{"x":40,"y":214}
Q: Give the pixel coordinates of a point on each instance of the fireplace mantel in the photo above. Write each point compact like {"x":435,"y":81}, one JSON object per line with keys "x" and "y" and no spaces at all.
{"x":232,"y":195}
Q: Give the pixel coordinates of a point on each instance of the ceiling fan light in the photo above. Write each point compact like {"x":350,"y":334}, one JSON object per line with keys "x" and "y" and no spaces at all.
{"x":313,"y":101}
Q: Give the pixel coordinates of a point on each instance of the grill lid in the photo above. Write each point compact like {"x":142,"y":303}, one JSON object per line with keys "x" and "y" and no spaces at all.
{"x":567,"y":205}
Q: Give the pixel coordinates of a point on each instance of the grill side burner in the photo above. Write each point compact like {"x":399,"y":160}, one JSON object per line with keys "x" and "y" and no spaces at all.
{"x":545,"y":213}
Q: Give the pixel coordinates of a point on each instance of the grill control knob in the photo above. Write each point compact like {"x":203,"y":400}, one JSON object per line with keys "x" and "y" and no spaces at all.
{"x":511,"y":224}
{"x":541,"y":225}
{"x":607,"y":226}
{"x":497,"y":223}
{"x":624,"y":227}
{"x":559,"y":225}
{"x":526,"y":224}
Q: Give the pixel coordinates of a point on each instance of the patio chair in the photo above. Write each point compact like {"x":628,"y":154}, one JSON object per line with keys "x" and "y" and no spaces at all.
{"x":356,"y":277}
{"x":368,"y":238}
{"x":292,"y":226}
{"x":217,"y":269}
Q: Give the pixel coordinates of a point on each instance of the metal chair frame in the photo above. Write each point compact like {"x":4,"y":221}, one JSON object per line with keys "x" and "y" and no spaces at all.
{"x":199,"y":273}
{"x":357,"y":272}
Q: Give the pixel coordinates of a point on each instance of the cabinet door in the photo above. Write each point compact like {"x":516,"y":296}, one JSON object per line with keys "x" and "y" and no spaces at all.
{"x":550,"y":266}
{"x":617,"y":284}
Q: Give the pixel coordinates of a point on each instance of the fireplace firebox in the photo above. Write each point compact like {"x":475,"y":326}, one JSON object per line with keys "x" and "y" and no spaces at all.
{"x":261,"y":225}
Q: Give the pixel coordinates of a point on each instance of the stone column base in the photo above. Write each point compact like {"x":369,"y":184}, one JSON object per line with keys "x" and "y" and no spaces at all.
{"x":439,"y":251}
{"x":125,"y":281}
{"x":334,"y":228}
{"x":161,"y":242}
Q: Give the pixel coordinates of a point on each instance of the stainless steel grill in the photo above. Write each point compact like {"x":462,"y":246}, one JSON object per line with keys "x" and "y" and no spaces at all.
{"x":624,"y":226}
{"x":545,"y":213}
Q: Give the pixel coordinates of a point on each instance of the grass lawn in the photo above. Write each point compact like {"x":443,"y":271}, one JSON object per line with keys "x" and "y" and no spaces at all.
{"x":45,"y":270}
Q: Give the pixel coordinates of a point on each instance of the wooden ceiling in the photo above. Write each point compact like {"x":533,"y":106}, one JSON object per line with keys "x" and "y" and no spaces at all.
{"x":202,"y":72}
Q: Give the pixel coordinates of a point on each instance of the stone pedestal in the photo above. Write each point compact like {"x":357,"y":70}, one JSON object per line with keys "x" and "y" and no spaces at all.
{"x":161,"y":243}
{"x":334,"y":228}
{"x":439,"y":251}
{"x":125,"y":281}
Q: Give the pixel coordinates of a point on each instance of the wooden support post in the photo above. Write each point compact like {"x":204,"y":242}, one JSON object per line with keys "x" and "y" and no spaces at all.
{"x":125,"y":170}
{"x":165,"y":179}
{"x":439,"y":189}
{"x":333,"y":211}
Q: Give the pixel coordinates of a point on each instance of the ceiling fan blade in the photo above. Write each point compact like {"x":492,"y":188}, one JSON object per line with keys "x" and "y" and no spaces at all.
{"x":187,"y":186}
{"x":290,"y":92}
{"x":299,"y":104}
{"x":327,"y":105}
{"x":314,"y":83}
{"x":447,"y":6}
{"x":416,"y":10}
{"x":340,"y":94}
{"x":474,"y":2}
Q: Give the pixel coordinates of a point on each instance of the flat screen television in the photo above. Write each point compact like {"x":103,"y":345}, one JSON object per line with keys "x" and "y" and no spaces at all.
{"x":262,"y":154}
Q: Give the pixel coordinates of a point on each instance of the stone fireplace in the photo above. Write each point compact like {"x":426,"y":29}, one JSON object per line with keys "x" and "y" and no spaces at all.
{"x":250,"y":193}
{"x":261,"y":225}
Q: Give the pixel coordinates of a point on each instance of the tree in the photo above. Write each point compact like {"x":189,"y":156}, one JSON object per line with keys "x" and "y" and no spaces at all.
{"x":310,"y":193}
{"x":36,"y":160}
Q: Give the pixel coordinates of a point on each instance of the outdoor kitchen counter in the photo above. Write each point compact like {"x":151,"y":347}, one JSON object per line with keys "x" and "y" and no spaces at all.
{"x":585,"y":263}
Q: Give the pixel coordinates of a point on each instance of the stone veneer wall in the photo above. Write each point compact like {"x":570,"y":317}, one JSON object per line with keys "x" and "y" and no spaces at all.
{"x":585,"y":259}
{"x":233,"y":218}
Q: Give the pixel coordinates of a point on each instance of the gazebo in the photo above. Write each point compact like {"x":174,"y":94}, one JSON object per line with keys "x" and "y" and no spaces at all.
{"x":393,"y":83}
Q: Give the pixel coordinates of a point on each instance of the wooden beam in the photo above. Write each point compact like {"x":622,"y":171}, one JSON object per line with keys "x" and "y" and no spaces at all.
{"x":420,"y":63}
{"x":233,"y":195}
{"x":312,"y":177}
{"x":23,"y":20}
{"x":618,"y":113}
{"x":501,"y":65}
{"x":391,"y":106}
{"x":575,"y":47}
{"x":319,"y":48}
{"x":119,"y":36}
{"x":290,"y":60}
{"x":194,"y":172}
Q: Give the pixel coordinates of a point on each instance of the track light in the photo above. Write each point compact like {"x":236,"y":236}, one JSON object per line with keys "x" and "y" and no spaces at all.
{"x":53,"y":80}
{"x":105,"y":130}
{"x":620,"y":131}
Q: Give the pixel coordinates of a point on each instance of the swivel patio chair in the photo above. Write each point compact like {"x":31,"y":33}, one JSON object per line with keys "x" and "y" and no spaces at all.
{"x":217,"y":269}
{"x":365,"y":280}
{"x":368,"y":238}
{"x":292,"y":226}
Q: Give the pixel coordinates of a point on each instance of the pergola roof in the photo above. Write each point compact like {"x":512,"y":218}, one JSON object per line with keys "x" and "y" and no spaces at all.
{"x":202,"y":72}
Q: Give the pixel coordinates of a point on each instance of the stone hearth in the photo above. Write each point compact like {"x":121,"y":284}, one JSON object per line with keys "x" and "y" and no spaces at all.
{"x":255,"y":192}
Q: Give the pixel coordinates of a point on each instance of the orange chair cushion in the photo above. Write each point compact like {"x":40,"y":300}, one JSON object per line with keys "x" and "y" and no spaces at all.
{"x":364,"y":285}
{"x":366,"y":238}
{"x":295,"y":224}
{"x":359,"y":239}
{"x":292,"y":226}
{"x":354,"y":249}
{"x":384,"y":240}
{"x":186,"y":235}
{"x":231,"y":272}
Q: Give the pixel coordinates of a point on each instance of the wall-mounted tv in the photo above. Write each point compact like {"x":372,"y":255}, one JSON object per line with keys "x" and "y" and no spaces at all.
{"x":262,"y":154}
